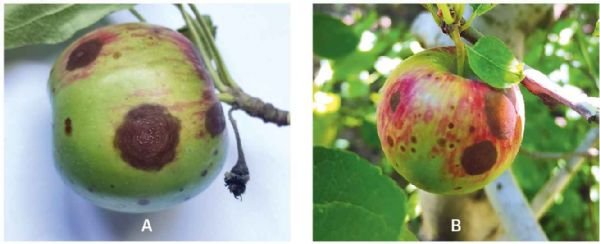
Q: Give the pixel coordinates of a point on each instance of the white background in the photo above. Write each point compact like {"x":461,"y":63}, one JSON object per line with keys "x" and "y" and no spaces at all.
{"x":254,"y":41}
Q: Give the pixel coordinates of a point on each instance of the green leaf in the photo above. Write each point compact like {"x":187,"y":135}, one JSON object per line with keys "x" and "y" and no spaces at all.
{"x":480,"y":9}
{"x":493,"y":62}
{"x":353,"y":200}
{"x":29,"y":24}
{"x":368,"y":132}
{"x":407,"y":235}
{"x":331,"y":38}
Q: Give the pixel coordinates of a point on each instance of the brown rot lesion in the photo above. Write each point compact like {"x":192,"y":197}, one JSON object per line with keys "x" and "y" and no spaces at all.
{"x":215,"y":120}
{"x":84,"y":54}
{"x":148,"y":137}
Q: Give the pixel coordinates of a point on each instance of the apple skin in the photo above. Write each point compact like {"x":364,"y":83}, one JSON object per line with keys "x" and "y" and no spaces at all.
{"x":137,"y":126}
{"x":444,"y":133}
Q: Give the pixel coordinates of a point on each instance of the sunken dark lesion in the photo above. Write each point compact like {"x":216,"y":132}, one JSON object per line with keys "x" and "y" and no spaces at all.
{"x":215,"y":120}
{"x":501,"y":114}
{"x":148,"y":137}
{"x":479,"y":157}
{"x":84,"y":54}
{"x":394,"y":100}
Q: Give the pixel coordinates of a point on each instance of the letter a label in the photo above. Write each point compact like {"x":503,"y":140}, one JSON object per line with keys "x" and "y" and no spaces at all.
{"x":146,"y":226}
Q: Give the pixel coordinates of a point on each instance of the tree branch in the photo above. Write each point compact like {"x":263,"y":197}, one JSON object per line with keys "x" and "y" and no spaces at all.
{"x":550,"y":93}
{"x":513,"y":210}
{"x":544,"y":198}
{"x":557,"y":155}
{"x":256,"y":107}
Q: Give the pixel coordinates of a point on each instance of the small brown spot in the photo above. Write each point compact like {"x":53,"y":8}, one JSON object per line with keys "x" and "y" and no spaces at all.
{"x":394,"y":100}
{"x":458,"y":188}
{"x":143,"y":202}
{"x":471,"y":129}
{"x":452,"y":107}
{"x":91,"y":189}
{"x":116,"y":55}
{"x":412,"y":149}
{"x":148,"y":137}
{"x":187,"y":198}
{"x":402,"y":149}
{"x":215,"y":121}
{"x":112,"y":186}
{"x":68,"y":126}
{"x":413,"y":139}
{"x":441,"y":142}
{"x":204,"y":172}
{"x":451,"y":125}
{"x":451,"y":145}
{"x":181,"y":189}
{"x":215,"y":152}
{"x":84,"y":54}
{"x":499,"y":186}
{"x":390,"y":141}
{"x":479,"y":158}
{"x":156,"y":30}
{"x":501,"y":114}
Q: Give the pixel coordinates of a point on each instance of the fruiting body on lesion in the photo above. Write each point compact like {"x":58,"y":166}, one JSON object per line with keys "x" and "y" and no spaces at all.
{"x":143,"y":121}
{"x":443,"y":133}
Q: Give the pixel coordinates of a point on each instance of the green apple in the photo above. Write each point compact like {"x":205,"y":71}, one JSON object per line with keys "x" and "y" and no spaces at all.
{"x":445,"y":133}
{"x":137,"y":125}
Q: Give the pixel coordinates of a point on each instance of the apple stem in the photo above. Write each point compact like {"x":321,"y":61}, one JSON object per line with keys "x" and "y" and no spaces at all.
{"x":451,"y":25}
{"x":460,"y":51}
{"x":236,"y":179}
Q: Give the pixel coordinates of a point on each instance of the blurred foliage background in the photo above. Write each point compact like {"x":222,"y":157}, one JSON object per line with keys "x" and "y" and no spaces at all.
{"x":370,"y":40}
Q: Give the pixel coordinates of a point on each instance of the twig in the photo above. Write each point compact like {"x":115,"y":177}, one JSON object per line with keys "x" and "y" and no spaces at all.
{"x":203,"y":49}
{"x":229,"y":91}
{"x":222,"y":68}
{"x":137,"y":14}
{"x":239,"y":175}
{"x":556,"y":155}
{"x":513,"y":210}
{"x":256,"y":107}
{"x":544,"y":198}
{"x":550,"y":93}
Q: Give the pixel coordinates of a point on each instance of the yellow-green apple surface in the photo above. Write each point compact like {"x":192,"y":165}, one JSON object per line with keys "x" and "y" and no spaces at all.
{"x":137,"y":126}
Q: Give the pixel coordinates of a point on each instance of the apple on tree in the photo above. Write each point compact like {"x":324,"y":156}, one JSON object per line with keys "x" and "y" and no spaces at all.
{"x":445,"y":133}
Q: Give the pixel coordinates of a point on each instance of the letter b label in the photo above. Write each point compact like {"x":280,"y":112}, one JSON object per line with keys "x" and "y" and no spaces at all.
{"x":455,"y":225}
